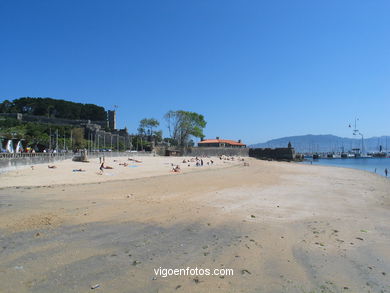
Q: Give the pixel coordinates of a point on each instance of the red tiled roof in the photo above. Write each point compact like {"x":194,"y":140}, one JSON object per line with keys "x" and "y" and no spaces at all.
{"x":232,"y":142}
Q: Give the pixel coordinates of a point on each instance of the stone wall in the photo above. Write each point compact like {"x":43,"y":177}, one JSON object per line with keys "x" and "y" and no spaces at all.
{"x":215,"y":151}
{"x":278,"y":154}
{"x":50,"y":120}
{"x":93,"y":129}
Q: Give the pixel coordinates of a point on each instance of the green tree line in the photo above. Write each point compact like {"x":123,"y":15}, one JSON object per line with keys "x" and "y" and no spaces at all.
{"x":35,"y":133}
{"x":182,"y":126}
{"x":54,"y":108}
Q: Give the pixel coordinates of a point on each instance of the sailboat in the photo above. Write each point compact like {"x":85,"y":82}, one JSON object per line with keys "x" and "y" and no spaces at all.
{"x":9,"y":146}
{"x":19,"y":147}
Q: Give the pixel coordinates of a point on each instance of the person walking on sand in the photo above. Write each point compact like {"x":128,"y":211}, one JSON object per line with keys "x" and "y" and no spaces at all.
{"x":386,"y":172}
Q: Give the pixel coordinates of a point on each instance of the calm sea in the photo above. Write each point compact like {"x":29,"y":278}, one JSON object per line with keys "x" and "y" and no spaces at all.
{"x":377,"y":165}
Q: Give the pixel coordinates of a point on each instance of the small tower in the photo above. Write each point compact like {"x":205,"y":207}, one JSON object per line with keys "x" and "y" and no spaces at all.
{"x":111,"y":117}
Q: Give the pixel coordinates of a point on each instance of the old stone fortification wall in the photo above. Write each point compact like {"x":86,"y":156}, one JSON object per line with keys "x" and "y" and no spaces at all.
{"x":216,"y":151}
{"x":278,"y":154}
{"x":49,"y":120}
{"x":206,"y":151}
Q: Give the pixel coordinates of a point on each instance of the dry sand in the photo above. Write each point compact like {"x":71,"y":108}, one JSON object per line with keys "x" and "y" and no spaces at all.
{"x":41,"y":175}
{"x":282,"y":227}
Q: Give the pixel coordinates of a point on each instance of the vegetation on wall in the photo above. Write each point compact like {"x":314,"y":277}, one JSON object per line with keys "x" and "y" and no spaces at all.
{"x":183,"y":126}
{"x":54,"y":108}
{"x":34,"y":133}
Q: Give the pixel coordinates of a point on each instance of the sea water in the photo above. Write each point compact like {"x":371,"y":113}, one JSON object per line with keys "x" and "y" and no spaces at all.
{"x":375,"y":165}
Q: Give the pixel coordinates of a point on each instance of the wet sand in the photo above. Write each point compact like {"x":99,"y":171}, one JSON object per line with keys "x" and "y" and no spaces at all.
{"x":282,"y":227}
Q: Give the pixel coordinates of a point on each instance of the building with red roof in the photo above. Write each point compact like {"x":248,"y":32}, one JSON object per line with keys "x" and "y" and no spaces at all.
{"x":221,"y":143}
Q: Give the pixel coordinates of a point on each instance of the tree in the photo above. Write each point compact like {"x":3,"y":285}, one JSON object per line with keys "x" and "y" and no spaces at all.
{"x":146,"y":128}
{"x":158,"y":136}
{"x":7,"y":107}
{"x":183,"y":124}
{"x":54,"y":108}
{"x":78,"y":137}
{"x":148,"y":124}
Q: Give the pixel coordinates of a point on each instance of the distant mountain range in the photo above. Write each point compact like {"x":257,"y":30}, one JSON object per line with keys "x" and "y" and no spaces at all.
{"x":327,"y":143}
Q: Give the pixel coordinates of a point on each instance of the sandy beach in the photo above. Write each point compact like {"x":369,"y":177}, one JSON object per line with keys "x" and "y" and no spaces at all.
{"x":123,"y":168}
{"x":281,"y":227}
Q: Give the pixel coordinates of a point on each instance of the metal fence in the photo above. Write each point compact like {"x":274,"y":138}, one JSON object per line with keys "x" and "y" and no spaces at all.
{"x":11,"y":161}
{"x":70,"y":155}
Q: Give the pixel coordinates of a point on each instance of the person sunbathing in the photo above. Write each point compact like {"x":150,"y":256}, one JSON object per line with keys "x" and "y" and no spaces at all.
{"x":137,"y":161}
{"x":176,"y":169}
{"x":101,"y":168}
{"x":78,"y":170}
{"x":108,"y":167}
{"x":52,"y":167}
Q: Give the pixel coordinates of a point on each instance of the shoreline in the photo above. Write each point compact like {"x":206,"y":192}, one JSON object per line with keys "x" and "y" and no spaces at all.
{"x":344,"y":167}
{"x":163,"y":168}
{"x":380,"y":169}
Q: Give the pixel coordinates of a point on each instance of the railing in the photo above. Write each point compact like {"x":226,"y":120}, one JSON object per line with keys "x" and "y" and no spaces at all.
{"x":70,"y":155}
{"x":9,"y":161}
{"x":33,"y":155}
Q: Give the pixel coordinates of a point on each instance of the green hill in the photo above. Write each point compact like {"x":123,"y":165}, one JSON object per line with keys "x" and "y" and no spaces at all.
{"x":54,"y":108}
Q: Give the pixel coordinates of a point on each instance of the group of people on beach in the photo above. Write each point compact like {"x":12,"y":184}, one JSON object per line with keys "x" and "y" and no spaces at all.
{"x":102,"y":164}
{"x":124,"y":164}
{"x":386,"y":171}
{"x":198,"y":162}
{"x":202,"y":161}
{"x":74,"y":170}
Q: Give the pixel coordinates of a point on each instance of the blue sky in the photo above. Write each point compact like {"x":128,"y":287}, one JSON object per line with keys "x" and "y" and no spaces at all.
{"x":256,"y":70}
